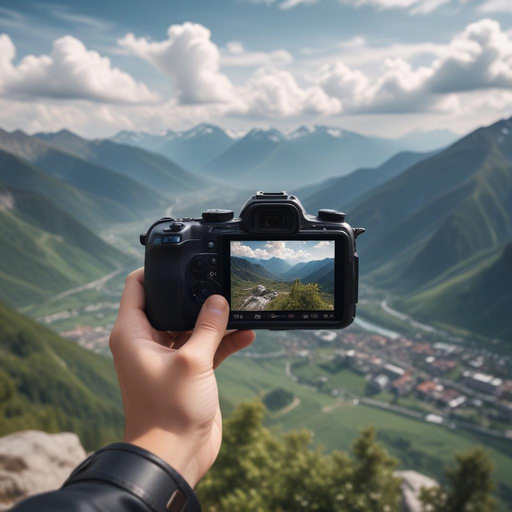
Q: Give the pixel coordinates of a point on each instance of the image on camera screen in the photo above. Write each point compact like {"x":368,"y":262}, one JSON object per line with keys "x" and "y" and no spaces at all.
{"x":280,"y":275}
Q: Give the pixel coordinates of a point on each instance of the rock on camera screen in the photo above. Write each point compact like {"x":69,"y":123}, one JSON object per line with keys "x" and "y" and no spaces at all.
{"x":280,"y":275}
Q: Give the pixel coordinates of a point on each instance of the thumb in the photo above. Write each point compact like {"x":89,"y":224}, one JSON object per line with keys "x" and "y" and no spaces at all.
{"x":210,"y":327}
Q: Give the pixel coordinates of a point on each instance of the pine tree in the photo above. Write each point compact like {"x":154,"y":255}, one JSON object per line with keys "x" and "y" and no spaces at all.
{"x":469,"y":486}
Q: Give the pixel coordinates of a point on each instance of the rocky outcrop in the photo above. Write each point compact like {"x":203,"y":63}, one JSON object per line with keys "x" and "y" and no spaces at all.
{"x":412,"y":483}
{"x":32,"y":462}
{"x":258,"y":299}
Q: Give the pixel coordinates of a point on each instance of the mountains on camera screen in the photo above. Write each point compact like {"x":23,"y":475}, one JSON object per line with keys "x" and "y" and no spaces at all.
{"x":276,"y":285}
{"x":437,"y":210}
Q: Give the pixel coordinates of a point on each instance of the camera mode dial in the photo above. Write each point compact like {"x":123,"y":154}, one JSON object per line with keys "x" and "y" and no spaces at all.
{"x":331,"y":215}
{"x":216,"y":215}
{"x":204,"y":288}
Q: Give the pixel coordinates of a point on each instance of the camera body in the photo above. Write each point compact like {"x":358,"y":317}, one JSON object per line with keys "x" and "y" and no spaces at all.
{"x":278,"y":267}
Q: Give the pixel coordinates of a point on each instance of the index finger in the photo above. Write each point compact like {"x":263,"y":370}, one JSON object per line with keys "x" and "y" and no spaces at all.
{"x":133,"y":297}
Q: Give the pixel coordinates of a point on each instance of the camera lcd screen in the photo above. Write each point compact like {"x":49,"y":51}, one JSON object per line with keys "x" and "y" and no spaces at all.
{"x":282,"y":279}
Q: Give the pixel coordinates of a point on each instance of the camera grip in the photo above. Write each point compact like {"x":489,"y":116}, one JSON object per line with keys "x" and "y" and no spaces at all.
{"x":169,"y":305}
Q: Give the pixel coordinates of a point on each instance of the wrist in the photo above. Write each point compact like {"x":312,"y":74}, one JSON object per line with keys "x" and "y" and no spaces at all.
{"x":174,"y":450}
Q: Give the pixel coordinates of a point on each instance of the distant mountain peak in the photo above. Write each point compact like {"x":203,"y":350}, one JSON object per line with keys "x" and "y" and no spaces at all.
{"x":266,"y":133}
{"x":202,"y":130}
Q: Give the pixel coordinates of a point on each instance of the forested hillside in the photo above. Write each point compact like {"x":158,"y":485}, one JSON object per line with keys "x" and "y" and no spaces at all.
{"x":51,"y":384}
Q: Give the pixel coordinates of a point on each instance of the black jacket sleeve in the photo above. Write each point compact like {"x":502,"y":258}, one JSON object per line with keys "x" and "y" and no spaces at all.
{"x":118,"y":478}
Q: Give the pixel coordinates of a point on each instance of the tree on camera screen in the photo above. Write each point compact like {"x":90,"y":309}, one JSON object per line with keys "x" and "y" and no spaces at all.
{"x":282,"y":275}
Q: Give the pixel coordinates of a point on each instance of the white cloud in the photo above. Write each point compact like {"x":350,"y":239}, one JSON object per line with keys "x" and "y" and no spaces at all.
{"x":275,"y":249}
{"x":495,"y":6}
{"x":285,"y":4}
{"x":193,"y":61}
{"x":479,"y":58}
{"x":190,"y":58}
{"x":323,"y":243}
{"x":290,"y":4}
{"x":235,"y":55}
{"x":413,"y":6}
{"x":277,"y":93}
{"x":339,"y":81}
{"x":70,"y":72}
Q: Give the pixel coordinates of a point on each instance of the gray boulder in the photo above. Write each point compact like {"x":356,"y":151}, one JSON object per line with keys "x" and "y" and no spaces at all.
{"x":412,"y":483}
{"x":32,"y":462}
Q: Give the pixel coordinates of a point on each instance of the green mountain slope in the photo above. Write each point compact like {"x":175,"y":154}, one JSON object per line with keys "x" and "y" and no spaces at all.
{"x":126,"y":198}
{"x":45,"y":250}
{"x":477,"y":299}
{"x":89,"y":209}
{"x":143,"y":166}
{"x":323,"y":276}
{"x":51,"y":384}
{"x":439,"y":197}
{"x":339,"y":193}
{"x":247,"y":271}
{"x":436,"y":218}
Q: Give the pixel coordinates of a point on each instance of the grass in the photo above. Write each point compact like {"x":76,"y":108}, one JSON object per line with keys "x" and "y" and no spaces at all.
{"x":345,"y":379}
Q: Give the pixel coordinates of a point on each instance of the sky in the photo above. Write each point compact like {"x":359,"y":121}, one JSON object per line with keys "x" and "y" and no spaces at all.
{"x":379,"y":67}
{"x":292,"y":251}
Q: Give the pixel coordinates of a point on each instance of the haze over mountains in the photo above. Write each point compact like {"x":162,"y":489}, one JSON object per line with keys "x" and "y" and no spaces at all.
{"x":261,"y":156}
{"x":436,"y":221}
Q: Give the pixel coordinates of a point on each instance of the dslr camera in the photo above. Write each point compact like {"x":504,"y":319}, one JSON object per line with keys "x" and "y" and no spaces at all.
{"x":277,"y":266}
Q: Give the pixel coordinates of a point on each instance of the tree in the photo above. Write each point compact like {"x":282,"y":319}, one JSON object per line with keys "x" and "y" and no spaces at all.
{"x":277,"y":399}
{"x":469,"y":485}
{"x":302,"y":297}
{"x":260,"y":470}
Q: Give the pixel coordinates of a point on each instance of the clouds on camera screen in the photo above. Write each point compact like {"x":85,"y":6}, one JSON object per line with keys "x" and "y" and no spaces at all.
{"x":292,"y":251}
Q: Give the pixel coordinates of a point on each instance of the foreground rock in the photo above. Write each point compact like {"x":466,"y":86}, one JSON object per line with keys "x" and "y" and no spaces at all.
{"x":412,"y":483}
{"x":258,"y":299}
{"x":32,"y":462}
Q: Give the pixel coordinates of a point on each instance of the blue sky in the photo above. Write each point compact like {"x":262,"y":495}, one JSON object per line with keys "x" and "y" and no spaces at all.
{"x":292,"y":251}
{"x":382,"y":67}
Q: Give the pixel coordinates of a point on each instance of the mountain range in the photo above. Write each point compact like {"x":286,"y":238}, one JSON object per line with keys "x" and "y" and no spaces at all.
{"x":144,"y":167}
{"x":51,"y":384}
{"x":264,"y":156}
{"x":252,"y":269}
{"x":124,"y":198}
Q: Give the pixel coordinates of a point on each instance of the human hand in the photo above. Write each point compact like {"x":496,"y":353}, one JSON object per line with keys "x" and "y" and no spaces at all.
{"x":167,"y":380}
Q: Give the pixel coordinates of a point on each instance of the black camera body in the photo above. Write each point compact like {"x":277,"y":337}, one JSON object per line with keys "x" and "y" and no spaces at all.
{"x":277,"y":266}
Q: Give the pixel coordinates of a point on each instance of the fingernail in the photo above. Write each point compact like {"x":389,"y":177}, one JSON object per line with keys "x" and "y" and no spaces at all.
{"x":216,"y":304}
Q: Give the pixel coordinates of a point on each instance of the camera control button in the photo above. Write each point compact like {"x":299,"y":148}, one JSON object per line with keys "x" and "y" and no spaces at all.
{"x":198,"y":263}
{"x":176,"y":226}
{"x":211,"y":245}
{"x":331,"y":215}
{"x":213,"y":260}
{"x":217,"y":215}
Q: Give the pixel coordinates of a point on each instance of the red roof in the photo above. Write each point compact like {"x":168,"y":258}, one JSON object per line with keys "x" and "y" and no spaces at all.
{"x":427,"y":386}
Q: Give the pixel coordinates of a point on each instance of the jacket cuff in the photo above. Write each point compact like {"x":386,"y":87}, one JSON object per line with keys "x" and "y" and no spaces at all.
{"x":142,"y":474}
